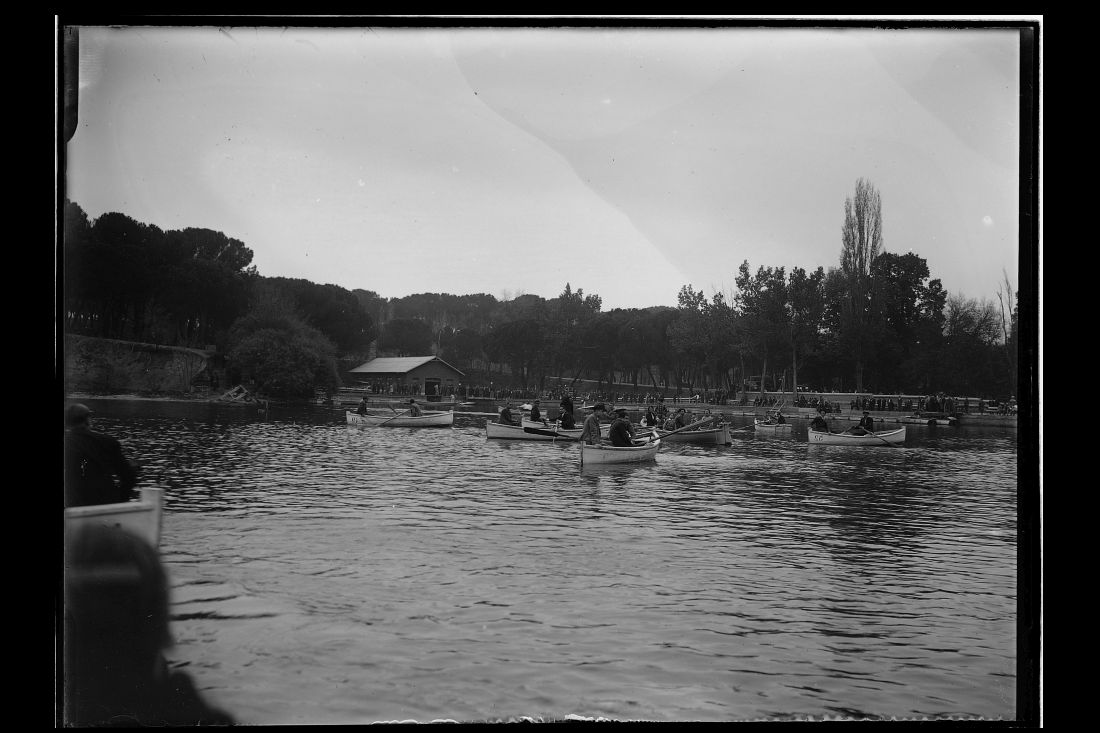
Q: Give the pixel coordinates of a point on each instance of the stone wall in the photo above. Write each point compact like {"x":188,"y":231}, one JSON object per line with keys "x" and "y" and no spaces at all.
{"x":107,"y":366}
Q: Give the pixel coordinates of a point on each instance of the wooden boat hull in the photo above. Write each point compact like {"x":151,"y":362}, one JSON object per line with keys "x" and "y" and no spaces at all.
{"x":141,"y":518}
{"x":530,"y":431}
{"x":885,"y":437}
{"x":592,"y":455}
{"x":426,"y":420}
{"x":709,"y":436}
{"x":771,"y":428}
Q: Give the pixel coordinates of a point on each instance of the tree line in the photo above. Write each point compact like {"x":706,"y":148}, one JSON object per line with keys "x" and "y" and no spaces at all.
{"x":876,"y":323}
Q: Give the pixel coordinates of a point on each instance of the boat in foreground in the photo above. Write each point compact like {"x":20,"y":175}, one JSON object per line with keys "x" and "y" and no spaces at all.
{"x":529,"y":430}
{"x":719,"y":435}
{"x":142,"y":517}
{"x":766,"y":427}
{"x":427,"y":419}
{"x":885,"y":437}
{"x":600,"y":454}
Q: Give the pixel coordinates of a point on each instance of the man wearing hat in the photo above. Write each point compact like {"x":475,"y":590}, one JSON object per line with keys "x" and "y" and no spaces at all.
{"x":621,"y":432}
{"x":590,"y":434}
{"x":866,"y":425}
{"x":867,"y":422}
{"x":819,"y":423}
{"x":96,"y":472}
{"x":414,"y":409}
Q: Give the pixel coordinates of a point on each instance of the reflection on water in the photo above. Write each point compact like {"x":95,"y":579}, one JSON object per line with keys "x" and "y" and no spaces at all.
{"x":331,"y":574}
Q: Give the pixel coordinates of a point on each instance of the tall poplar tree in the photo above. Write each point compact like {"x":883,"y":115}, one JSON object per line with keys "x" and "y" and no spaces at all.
{"x":861,"y":239}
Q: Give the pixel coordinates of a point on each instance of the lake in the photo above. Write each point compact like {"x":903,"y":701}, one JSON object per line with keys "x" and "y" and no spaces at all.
{"x":327,"y":574}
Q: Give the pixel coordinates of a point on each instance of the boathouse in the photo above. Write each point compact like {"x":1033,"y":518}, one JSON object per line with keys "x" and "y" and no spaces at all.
{"x":423,"y":375}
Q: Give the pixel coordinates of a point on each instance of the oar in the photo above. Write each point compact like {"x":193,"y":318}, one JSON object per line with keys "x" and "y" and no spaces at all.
{"x":399,"y":414}
{"x":884,"y":440}
{"x":547,"y":431}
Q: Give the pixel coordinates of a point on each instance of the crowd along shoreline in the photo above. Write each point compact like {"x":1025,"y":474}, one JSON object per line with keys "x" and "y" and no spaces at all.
{"x":489,"y":406}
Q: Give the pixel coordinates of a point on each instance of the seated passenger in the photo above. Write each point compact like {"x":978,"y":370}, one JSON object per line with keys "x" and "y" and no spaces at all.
{"x":622,"y":432}
{"x":567,"y":420}
{"x":819,"y":423}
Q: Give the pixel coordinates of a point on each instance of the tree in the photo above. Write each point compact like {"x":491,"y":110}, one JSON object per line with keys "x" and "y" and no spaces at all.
{"x":598,"y":342}
{"x":565,"y":316}
{"x":909,"y":320}
{"x":518,"y":344}
{"x":275,"y":349}
{"x":762,"y":310}
{"x":462,"y":348}
{"x":687,"y":337}
{"x":969,"y":352}
{"x":406,"y":337}
{"x":1010,"y":316}
{"x":805,"y":308}
{"x":861,"y":238}
{"x":335,"y":311}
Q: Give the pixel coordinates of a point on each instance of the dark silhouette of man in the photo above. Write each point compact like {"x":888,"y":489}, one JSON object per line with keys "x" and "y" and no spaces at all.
{"x":96,"y":471}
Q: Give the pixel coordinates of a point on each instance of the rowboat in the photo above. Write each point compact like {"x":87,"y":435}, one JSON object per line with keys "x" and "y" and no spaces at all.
{"x":719,"y":435}
{"x":142,"y":517}
{"x":529,"y":430}
{"x":885,"y":437}
{"x":427,"y":419}
{"x":766,"y":427}
{"x":930,"y":419}
{"x":602,"y":454}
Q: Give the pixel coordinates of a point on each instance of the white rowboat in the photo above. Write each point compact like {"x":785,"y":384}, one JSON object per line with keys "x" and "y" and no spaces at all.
{"x":602,"y":454}
{"x":141,"y":518}
{"x":764,"y":427}
{"x":427,"y":419}
{"x":886,"y":437}
{"x":530,"y":431}
{"x":709,"y":436}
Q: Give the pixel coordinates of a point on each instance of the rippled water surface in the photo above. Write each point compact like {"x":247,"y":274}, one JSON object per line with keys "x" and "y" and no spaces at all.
{"x":332,"y":574}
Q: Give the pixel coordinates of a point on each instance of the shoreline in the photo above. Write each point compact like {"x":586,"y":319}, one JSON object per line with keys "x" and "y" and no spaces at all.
{"x":801,"y":413}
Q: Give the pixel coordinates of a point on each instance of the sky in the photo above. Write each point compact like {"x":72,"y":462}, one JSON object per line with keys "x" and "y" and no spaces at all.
{"x":627,"y":162}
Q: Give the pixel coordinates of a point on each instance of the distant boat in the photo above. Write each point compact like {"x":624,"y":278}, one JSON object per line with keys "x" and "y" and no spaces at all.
{"x":767,"y":427}
{"x":427,"y":419}
{"x":885,"y":437}
{"x":530,"y":431}
{"x":719,"y":435}
{"x":930,"y":419}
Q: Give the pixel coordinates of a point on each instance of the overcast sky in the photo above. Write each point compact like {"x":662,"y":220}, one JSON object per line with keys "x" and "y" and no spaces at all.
{"x":626,"y":162}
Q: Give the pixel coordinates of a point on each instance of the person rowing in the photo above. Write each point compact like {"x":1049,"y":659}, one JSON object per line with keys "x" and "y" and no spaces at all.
{"x":866,"y":425}
{"x":591,"y":431}
{"x":621,"y":432}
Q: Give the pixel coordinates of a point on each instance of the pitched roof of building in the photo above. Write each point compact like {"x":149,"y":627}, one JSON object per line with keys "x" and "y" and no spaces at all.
{"x":398,"y":365}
